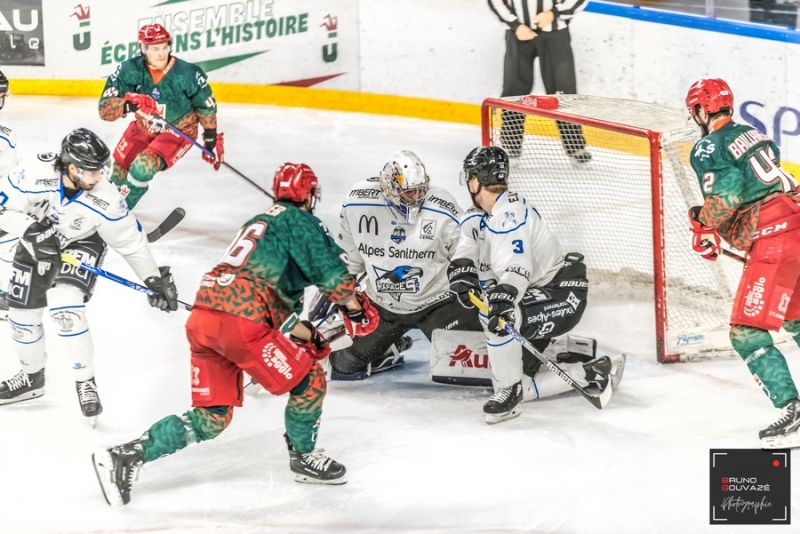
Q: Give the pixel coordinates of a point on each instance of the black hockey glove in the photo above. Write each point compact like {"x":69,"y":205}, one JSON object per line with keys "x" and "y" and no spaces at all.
{"x":502,"y":305}
{"x":129,"y":107}
{"x":463,"y":277}
{"x":41,"y":241}
{"x":164,"y":294}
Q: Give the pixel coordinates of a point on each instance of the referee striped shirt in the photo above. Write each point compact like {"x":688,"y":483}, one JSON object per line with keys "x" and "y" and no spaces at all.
{"x":516,"y":12}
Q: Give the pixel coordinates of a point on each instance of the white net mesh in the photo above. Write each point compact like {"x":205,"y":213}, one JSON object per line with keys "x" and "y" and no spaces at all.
{"x":593,"y":186}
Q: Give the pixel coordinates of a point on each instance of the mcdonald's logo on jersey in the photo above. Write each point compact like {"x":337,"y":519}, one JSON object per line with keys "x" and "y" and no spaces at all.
{"x":367,"y":221}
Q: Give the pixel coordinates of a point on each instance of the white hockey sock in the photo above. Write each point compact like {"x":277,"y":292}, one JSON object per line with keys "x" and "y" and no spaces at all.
{"x":505,"y":358}
{"x":28,"y":334}
{"x":547,"y":384}
{"x":8,"y":247}
{"x":74,"y":338}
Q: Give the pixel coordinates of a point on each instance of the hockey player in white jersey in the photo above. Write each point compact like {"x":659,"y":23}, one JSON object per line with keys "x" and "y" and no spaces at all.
{"x":64,"y":203}
{"x":507,"y":252}
{"x":401,"y":232}
{"x":8,"y":160}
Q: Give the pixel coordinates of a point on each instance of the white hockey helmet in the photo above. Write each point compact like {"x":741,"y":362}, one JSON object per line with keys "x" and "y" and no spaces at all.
{"x":405,"y":183}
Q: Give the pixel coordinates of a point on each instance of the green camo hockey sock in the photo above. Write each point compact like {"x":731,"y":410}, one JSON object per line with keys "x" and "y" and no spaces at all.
{"x":793,"y":327}
{"x":143,"y":169}
{"x":766,"y":363}
{"x":304,"y":409}
{"x":173,"y":433}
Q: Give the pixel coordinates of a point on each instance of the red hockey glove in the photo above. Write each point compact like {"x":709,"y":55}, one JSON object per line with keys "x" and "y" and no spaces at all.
{"x":317,"y":345}
{"x":215,"y":143}
{"x":359,"y":323}
{"x":705,"y":240}
{"x":143,"y":103}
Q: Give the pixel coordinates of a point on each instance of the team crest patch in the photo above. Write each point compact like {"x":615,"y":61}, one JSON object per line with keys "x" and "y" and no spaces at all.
{"x":399,"y":281}
{"x":509,"y":219}
{"x":156,"y":93}
{"x":427,"y":230}
{"x":399,"y":235}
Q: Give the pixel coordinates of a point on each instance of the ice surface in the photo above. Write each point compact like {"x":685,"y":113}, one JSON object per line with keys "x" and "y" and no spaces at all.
{"x":419,"y":456}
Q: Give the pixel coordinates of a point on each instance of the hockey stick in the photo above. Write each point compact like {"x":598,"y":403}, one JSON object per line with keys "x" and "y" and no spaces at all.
{"x":598,"y":401}
{"x":204,"y":149}
{"x":66,"y":258}
{"x":172,"y":220}
{"x":728,"y":254}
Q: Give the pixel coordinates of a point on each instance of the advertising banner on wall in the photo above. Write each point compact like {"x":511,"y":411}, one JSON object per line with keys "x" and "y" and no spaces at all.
{"x":21,"y":32}
{"x":304,"y":43}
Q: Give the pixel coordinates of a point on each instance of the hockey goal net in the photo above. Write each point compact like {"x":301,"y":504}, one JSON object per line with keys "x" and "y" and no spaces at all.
{"x":612,"y":178}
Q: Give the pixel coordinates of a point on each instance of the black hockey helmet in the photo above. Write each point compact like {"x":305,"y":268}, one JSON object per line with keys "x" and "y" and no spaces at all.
{"x":3,"y":89}
{"x":489,"y":164}
{"x":84,"y":149}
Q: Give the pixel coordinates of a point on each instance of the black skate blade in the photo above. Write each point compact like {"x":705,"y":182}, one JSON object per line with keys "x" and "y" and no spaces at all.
{"x":494,"y":418}
{"x":305,"y":479}
{"x":27,"y":396}
{"x":110,"y":492}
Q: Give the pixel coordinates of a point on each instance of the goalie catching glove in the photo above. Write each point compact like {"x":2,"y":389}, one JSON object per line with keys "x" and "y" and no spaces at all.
{"x":214,"y":143}
{"x":360,"y":322}
{"x":705,"y":240}
{"x":164,"y":294}
{"x":502,"y":305}
{"x":463,"y":277}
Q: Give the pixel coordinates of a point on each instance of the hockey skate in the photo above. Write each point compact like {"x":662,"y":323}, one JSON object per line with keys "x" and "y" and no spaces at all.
{"x":598,"y":372}
{"x":314,"y":467}
{"x":390,"y":359}
{"x":3,"y":306}
{"x":504,"y":404}
{"x":116,"y":468}
{"x":580,"y":155}
{"x":89,"y":399}
{"x":21,"y":387}
{"x":785,"y":432}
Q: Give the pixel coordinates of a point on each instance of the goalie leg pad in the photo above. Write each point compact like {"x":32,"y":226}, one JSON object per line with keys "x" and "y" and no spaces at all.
{"x":74,"y":338}
{"x":460,"y":358}
{"x":28,"y":334}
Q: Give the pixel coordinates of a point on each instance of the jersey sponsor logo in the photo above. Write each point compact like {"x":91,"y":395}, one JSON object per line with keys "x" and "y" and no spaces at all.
{"x":366,"y":250}
{"x":411,"y":254}
{"x":97,"y":201}
{"x":365,"y":193}
{"x":47,"y":182}
{"x":509,"y":219}
{"x":20,"y":287}
{"x":276,"y":359}
{"x":704,"y":149}
{"x":573,"y":301}
{"x":46,"y":156}
{"x":554,"y":311}
{"x":516,"y":269}
{"x":399,"y":235}
{"x":464,"y":357}
{"x":428,"y":229}
{"x":5,"y":130}
{"x":77,"y":224}
{"x":208,"y":280}
{"x":401,"y":280}
{"x":367,"y":222}
{"x":754,"y":300}
{"x":444,"y":204}
{"x":155,"y":93}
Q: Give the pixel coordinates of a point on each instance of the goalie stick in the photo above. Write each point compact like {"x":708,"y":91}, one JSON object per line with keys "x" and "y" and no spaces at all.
{"x":66,"y":258}
{"x":598,"y":401}
{"x":172,"y":220}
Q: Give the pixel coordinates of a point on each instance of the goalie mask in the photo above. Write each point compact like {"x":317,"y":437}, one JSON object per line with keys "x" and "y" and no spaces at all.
{"x":405,"y":183}
{"x":3,"y":89}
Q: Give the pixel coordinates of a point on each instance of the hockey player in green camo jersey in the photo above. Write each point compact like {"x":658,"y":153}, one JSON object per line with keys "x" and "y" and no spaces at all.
{"x":751,"y":203}
{"x":157,"y":83}
{"x":235,"y":326}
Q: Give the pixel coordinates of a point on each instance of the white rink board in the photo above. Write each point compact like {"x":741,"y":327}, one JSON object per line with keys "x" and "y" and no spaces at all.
{"x":419,"y":456}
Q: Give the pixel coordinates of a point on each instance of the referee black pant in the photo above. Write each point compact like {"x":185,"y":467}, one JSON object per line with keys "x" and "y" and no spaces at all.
{"x":557,"y":66}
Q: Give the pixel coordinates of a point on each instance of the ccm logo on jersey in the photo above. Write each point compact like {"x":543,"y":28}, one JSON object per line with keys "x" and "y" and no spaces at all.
{"x":574,"y":283}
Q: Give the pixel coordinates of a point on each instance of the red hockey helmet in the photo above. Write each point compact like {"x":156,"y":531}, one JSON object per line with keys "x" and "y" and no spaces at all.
{"x":712,"y":95}
{"x":296,"y":182}
{"x":151,"y":34}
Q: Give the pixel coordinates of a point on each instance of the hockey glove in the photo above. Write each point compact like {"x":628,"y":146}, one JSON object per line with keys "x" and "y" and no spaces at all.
{"x":359,"y":323}
{"x":316,"y":345}
{"x":164,"y":294}
{"x":143,"y":103}
{"x":705,"y":240}
{"x":502,"y":305}
{"x":214,"y":143}
{"x":41,"y":241}
{"x":321,"y":308}
{"x":463,"y":277}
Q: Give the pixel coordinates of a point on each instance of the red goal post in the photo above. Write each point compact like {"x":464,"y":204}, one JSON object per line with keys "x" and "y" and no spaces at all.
{"x":624,"y":209}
